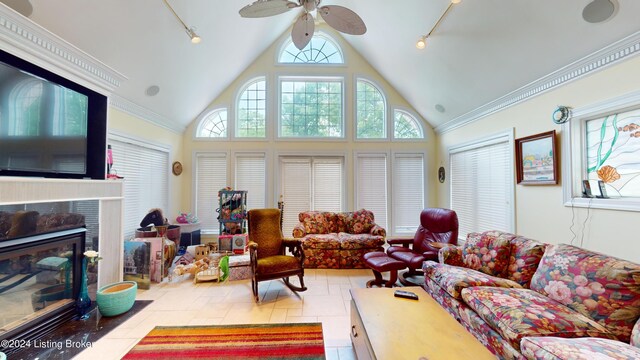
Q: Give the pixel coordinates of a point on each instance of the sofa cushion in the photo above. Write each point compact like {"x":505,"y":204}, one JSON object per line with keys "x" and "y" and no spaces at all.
{"x":487,"y":252}
{"x":359,"y":241}
{"x":356,"y":222}
{"x":453,"y":279}
{"x":524,"y":258}
{"x":318,"y":222}
{"x":601,"y":287}
{"x":549,"y":347}
{"x":517,"y":313}
{"x":321,"y":241}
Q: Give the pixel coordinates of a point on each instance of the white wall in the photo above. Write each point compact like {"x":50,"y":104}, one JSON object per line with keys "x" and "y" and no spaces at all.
{"x":540,"y":213}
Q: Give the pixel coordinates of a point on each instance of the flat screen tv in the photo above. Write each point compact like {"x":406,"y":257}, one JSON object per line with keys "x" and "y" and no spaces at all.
{"x":49,"y":126}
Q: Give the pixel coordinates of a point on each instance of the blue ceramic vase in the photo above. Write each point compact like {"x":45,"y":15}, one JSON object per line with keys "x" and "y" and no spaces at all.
{"x":84,"y":301}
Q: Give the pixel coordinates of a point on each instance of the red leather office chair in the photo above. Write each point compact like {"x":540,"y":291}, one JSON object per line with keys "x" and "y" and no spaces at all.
{"x":436,"y":225}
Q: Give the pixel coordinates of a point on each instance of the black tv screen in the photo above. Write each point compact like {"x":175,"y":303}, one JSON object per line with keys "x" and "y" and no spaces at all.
{"x":49,"y":126}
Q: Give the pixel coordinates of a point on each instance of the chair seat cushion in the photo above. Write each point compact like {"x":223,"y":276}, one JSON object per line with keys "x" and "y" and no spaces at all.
{"x":552,"y":348}
{"x":321,"y":241}
{"x":359,"y":241}
{"x":453,"y":279}
{"x":407,"y":256}
{"x":277,"y":263}
{"x":517,"y":313}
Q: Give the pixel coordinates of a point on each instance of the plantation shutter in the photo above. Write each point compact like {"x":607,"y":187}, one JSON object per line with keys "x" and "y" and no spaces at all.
{"x":408,"y":192}
{"x":145,"y":169}
{"x":327,"y":184}
{"x":296,"y":190}
{"x":211,"y":176}
{"x":481,"y":186}
{"x":250,"y":176}
{"x":371,"y":185}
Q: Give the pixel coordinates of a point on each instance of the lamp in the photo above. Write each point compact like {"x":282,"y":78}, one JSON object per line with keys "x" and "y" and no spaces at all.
{"x":422,"y":41}
{"x":195,"y":39}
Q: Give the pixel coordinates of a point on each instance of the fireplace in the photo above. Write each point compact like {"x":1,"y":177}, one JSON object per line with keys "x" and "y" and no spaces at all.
{"x":39,"y":282}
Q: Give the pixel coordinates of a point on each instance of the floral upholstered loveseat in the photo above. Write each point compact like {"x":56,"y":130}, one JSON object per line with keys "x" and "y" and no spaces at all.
{"x":338,"y":240}
{"x":524,"y":299}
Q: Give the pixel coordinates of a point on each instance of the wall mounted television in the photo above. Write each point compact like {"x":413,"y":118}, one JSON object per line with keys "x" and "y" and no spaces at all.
{"x":49,"y":126}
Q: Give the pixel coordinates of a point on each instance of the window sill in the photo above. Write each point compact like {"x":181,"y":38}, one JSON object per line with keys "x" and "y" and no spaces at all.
{"x":613,"y":203}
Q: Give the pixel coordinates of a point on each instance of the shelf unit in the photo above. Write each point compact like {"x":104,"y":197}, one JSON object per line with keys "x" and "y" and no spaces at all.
{"x":232,"y":212}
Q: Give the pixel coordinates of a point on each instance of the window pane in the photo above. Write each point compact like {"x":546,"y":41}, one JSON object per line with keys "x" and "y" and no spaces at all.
{"x":320,"y":50}
{"x":408,"y":192}
{"x":406,"y":126}
{"x":612,"y":148}
{"x":211,"y":176}
{"x":370,"y":112}
{"x":311,"y":108}
{"x":371,"y":186}
{"x":250,"y":176}
{"x":251,"y":110}
{"x":214,"y":125}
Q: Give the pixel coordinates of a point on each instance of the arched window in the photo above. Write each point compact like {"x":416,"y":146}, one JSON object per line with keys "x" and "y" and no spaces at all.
{"x":406,"y":126}
{"x":213,"y":124}
{"x":322,"y":49}
{"x":252,"y":109}
{"x":370,"y":111}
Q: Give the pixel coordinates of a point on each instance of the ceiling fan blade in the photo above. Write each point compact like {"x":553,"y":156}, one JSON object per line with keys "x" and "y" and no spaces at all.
{"x":264,"y":8}
{"x":343,"y":19}
{"x":302,"y":31}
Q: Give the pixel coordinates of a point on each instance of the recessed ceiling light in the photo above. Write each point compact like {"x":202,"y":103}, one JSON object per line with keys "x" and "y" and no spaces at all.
{"x":598,"y":11}
{"x":440,"y":108}
{"x":152,"y":90}
{"x":24,"y":7}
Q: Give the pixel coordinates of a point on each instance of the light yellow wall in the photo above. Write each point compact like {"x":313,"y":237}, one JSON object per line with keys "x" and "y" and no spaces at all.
{"x":124,"y":123}
{"x":540,"y":213}
{"x":266,"y":65}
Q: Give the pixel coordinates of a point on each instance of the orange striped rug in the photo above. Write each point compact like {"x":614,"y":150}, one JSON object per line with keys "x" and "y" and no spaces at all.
{"x":256,"y":341}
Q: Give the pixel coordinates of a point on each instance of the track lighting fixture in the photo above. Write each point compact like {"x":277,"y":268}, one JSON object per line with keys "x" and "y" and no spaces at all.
{"x":195,"y":39}
{"x":422,"y":41}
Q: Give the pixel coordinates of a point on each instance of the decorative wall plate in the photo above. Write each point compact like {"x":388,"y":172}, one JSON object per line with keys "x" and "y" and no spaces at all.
{"x":176,"y":168}
{"x":441,"y":174}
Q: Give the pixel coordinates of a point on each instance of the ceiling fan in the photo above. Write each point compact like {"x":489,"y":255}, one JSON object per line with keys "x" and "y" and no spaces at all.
{"x":338,"y":17}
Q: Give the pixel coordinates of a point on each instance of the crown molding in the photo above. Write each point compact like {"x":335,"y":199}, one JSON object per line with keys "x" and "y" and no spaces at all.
{"x":145,"y":114}
{"x":23,"y":38}
{"x":623,"y":49}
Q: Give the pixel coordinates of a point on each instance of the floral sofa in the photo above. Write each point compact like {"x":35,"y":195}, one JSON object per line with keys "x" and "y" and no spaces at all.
{"x":338,"y":240}
{"x":524,"y":299}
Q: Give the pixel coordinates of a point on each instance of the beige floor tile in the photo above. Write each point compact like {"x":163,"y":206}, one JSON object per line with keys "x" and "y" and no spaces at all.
{"x":204,"y":321}
{"x":278,"y":316}
{"x":331,"y":353}
{"x":336,"y":330}
{"x":302,"y":319}
{"x":330,"y":305}
{"x":243,"y":313}
{"x":294,"y":312}
{"x":347,"y":353}
{"x":107,"y":349}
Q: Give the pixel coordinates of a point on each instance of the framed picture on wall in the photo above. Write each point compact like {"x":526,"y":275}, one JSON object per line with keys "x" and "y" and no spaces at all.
{"x":536,"y":160}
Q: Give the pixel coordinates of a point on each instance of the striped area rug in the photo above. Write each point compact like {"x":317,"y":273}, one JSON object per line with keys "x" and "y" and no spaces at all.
{"x":255,"y":341}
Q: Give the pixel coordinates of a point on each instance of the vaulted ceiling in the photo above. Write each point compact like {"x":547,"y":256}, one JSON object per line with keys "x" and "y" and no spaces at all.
{"x":482,"y":50}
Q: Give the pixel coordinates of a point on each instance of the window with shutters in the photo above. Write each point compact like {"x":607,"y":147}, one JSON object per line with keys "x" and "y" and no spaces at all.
{"x":310,"y":183}
{"x":210,"y":176}
{"x":251,"y":176}
{"x":371,"y":185}
{"x":145,"y":168}
{"x":408,"y":184}
{"x":481,"y":174}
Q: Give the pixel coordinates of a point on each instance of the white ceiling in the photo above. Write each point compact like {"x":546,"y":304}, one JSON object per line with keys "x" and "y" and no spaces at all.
{"x":482,"y":50}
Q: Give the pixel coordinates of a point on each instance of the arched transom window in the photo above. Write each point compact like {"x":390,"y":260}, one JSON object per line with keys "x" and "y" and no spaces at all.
{"x":406,"y":126}
{"x":320,"y":50}
{"x":213,"y":124}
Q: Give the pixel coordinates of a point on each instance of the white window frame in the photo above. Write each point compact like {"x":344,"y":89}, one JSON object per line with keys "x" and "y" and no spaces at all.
{"x":573,"y":138}
{"x":387,"y":124}
{"x":425,"y":196}
{"x":202,"y":117}
{"x":486,"y":141}
{"x":235,"y":113}
{"x":194,"y":180}
{"x":356,"y":176}
{"x":322,"y":34}
{"x":392,"y":125}
{"x":281,"y":78}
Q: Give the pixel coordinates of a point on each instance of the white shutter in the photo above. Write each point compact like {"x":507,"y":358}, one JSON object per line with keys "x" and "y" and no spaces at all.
{"x":295,"y":182}
{"x":371,"y":185}
{"x":145,"y":169}
{"x":250,"y":176}
{"x":482,"y":186}
{"x":210,"y":177}
{"x":408,"y":192}
{"x":327,"y":184}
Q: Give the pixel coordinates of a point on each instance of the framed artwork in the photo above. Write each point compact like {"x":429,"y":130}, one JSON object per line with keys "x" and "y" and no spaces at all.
{"x":156,"y":257}
{"x":136,"y":263}
{"x":536,"y":160}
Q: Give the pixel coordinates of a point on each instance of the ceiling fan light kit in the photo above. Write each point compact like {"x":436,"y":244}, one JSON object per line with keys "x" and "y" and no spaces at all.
{"x":422,"y":41}
{"x":338,"y":17}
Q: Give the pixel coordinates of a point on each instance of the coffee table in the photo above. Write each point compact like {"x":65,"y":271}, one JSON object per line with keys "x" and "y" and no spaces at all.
{"x":386,"y":327}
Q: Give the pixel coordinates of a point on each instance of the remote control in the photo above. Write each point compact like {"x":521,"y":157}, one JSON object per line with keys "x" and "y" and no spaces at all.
{"x":405,"y":294}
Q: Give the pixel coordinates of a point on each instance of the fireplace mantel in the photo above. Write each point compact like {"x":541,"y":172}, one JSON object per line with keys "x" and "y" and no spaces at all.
{"x":110,"y":193}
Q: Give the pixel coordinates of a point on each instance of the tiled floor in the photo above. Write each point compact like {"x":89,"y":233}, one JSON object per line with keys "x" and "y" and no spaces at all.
{"x":185,"y":303}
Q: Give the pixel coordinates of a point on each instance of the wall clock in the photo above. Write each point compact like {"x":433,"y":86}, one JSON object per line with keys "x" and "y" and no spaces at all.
{"x":176,"y":168}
